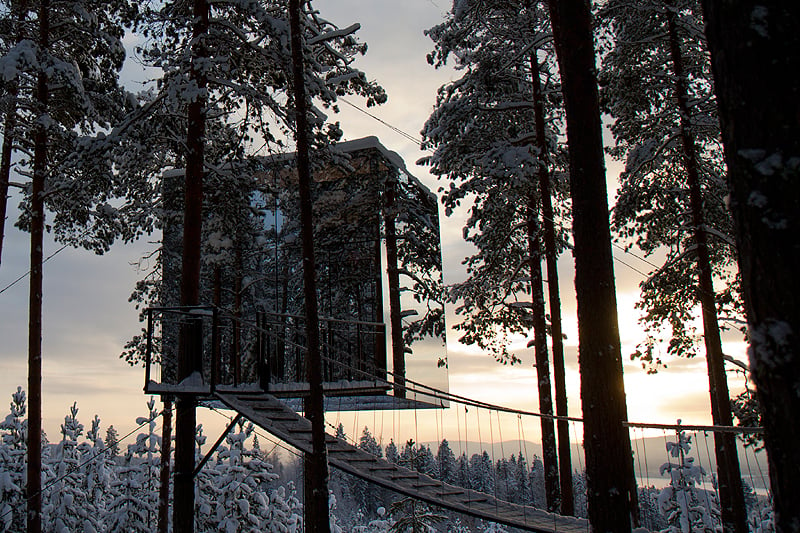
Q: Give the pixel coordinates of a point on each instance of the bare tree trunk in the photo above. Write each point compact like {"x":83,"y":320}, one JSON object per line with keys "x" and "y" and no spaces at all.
{"x":188,"y":350}
{"x":734,"y":516}
{"x":609,"y":458}
{"x":756,"y":64}
{"x":551,"y":259}
{"x":317,"y":518}
{"x":549,"y":455}
{"x":33,"y":489}
{"x":166,"y":449}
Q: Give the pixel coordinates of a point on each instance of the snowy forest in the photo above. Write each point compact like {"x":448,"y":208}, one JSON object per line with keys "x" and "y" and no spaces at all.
{"x":699,"y":100}
{"x":96,"y":479}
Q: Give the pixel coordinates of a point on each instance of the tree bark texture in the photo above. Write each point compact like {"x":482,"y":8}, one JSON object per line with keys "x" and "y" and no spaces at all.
{"x":755,"y":52}
{"x":734,"y":517}
{"x":549,"y":454}
{"x":189,"y":354}
{"x":551,"y":260}
{"x":609,"y":458}
{"x":317,"y":518}
{"x":33,"y":488}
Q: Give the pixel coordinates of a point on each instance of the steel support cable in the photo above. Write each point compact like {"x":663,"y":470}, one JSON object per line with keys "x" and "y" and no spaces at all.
{"x":761,"y":473}
{"x":520,"y":469}
{"x":420,"y":388}
{"x":703,"y":470}
{"x":638,"y":455}
{"x":646,"y":466}
{"x":750,"y":472}
{"x":494,"y":466}
{"x":466,"y":453}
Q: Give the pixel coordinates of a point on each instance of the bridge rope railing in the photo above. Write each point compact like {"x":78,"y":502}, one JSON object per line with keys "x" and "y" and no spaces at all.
{"x":754,"y":471}
{"x":415,"y":388}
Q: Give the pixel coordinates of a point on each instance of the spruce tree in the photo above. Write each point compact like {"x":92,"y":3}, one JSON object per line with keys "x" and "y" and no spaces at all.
{"x":13,"y":448}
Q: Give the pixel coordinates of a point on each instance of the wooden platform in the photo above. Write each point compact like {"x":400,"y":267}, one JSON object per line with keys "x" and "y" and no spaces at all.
{"x":271,"y":414}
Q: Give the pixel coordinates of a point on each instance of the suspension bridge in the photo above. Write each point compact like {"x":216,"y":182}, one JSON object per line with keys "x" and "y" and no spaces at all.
{"x":269,"y":399}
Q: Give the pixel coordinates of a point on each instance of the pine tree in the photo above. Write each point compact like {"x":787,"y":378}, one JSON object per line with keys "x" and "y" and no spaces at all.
{"x":64,"y":69}
{"x":369,"y":497}
{"x":494,"y":135}
{"x":391,"y":452}
{"x":673,"y":191}
{"x":653,"y":209}
{"x":237,"y":500}
{"x":134,"y":493}
{"x":14,"y":48}
{"x":97,"y":465}
{"x":112,"y":441}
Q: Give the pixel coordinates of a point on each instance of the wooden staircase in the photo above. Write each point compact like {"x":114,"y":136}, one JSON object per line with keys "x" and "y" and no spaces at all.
{"x":271,"y":414}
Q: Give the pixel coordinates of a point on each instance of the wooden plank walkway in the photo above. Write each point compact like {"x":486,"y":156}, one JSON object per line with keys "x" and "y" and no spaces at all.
{"x":271,"y":414}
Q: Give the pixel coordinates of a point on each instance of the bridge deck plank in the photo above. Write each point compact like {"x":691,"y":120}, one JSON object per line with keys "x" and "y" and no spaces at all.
{"x":271,"y":414}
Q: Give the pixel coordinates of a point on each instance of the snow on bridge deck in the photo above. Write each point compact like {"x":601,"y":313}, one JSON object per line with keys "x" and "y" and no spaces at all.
{"x":274,"y":416}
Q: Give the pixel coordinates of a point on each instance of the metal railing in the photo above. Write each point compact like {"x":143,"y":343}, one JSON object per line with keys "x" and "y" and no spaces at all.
{"x":214,"y":347}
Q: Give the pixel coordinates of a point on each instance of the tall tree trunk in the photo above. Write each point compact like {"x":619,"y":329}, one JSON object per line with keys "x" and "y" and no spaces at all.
{"x":549,"y":455}
{"x":188,"y":350}
{"x":734,"y":517}
{"x":609,"y":458}
{"x":551,"y":259}
{"x":166,"y":448}
{"x":317,"y":518}
{"x":756,"y":64}
{"x":9,"y":126}
{"x":33,"y":489}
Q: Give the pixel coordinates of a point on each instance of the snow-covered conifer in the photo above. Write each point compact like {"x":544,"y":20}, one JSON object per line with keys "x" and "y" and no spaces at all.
{"x":688,"y":508}
{"x":68,"y":504}
{"x":13,"y":445}
{"x":134,"y":490}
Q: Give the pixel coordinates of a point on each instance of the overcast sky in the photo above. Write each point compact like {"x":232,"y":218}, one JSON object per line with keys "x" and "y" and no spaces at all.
{"x":87,"y":318}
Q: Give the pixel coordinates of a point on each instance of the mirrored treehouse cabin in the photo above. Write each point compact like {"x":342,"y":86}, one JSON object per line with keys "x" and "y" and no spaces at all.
{"x":379,"y":281}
